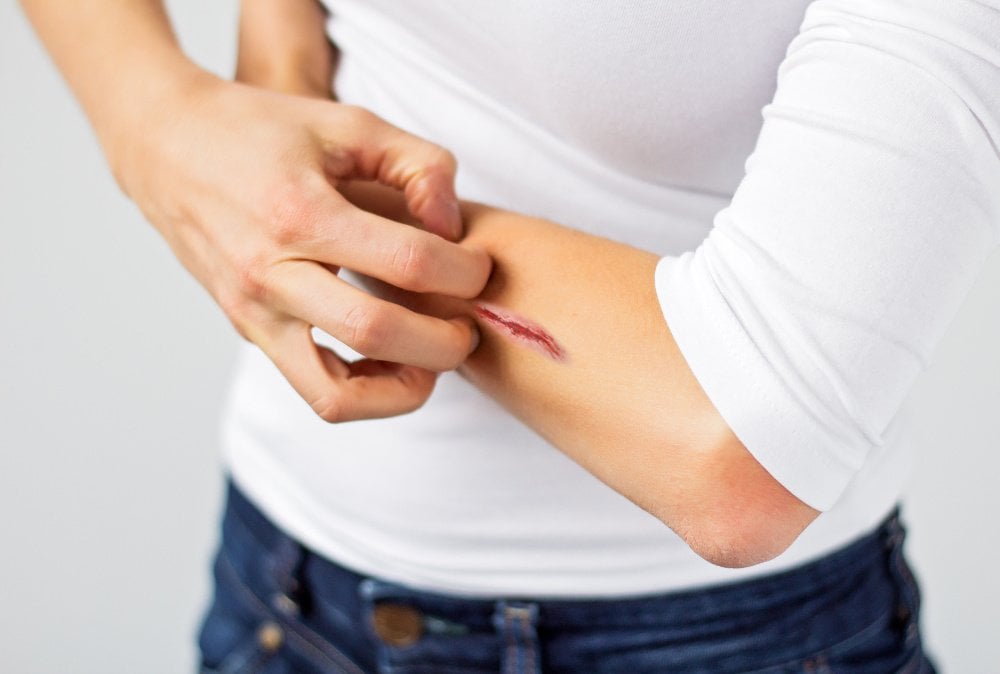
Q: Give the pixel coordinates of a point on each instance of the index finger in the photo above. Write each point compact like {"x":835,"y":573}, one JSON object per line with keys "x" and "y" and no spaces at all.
{"x":401,"y":255}
{"x":422,"y":170}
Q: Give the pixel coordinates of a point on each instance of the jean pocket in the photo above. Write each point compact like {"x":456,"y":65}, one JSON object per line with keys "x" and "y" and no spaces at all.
{"x":882,"y":649}
{"x":232,"y":647}
{"x":892,"y":643}
{"x":236,"y":636}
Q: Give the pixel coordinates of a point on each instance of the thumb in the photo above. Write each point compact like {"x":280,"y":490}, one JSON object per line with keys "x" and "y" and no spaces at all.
{"x":423,"y":171}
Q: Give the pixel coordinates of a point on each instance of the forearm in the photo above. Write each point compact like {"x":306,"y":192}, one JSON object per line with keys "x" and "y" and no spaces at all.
{"x":809,"y":310}
{"x":119,"y":58}
{"x":283,"y":46}
{"x":622,"y":401}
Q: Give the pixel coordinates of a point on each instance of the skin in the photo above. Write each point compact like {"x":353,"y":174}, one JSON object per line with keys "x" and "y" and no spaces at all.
{"x":623,"y":404}
{"x":298,"y":61}
{"x":240,"y":181}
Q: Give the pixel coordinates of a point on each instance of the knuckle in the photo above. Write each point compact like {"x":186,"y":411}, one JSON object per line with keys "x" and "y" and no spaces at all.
{"x":358,"y":115}
{"x":444,"y":160}
{"x":436,"y":168}
{"x":329,"y":408}
{"x":413,"y":263}
{"x":293,"y":215}
{"x":235,"y":306}
{"x":252,"y":279}
{"x":366,"y":328}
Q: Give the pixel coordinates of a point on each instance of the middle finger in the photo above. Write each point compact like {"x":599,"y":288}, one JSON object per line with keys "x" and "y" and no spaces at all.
{"x":371,"y":326}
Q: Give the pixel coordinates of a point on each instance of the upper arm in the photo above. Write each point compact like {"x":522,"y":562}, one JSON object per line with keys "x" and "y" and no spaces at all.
{"x":795,"y":330}
{"x":869,"y":206}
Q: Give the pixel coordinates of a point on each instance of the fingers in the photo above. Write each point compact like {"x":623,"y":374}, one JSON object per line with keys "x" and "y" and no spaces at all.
{"x":380,"y":389}
{"x":313,"y":221}
{"x":371,"y":326}
{"x":339,"y":391}
{"x":403,"y":256}
{"x":423,"y":171}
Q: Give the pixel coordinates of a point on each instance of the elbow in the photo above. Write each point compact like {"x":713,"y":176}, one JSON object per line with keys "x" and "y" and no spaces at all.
{"x":735,"y":543}
{"x":735,"y":514}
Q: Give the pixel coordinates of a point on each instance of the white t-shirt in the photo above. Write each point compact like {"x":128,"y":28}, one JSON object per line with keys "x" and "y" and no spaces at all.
{"x":806,"y":286}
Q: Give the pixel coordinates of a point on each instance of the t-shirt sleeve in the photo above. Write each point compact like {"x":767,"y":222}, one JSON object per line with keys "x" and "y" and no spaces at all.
{"x":868,"y":209}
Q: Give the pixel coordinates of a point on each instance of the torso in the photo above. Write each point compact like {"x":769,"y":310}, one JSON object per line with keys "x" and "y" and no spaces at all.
{"x":631,"y":120}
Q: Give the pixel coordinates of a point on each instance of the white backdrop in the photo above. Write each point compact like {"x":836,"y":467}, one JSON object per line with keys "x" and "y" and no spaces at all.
{"x":114,"y":364}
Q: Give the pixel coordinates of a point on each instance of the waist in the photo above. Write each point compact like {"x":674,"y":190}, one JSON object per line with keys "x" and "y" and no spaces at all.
{"x":811,"y":607}
{"x":663,"y":609}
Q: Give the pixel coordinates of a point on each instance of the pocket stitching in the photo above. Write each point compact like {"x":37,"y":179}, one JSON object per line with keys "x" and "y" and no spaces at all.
{"x":300,"y":634}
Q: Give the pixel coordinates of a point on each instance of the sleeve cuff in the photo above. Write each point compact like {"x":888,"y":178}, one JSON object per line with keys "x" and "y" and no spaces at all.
{"x":806,"y":456}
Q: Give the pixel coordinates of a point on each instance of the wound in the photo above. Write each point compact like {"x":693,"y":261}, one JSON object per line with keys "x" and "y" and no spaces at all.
{"x":521,"y":330}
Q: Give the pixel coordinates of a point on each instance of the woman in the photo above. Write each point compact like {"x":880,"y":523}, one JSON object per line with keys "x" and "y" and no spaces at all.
{"x":717,"y":388}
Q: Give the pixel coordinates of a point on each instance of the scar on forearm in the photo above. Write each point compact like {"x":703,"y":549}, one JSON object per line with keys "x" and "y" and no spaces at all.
{"x":520,"y":329}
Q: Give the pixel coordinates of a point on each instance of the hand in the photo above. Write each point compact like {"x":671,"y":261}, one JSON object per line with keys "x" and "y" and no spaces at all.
{"x":240,"y":181}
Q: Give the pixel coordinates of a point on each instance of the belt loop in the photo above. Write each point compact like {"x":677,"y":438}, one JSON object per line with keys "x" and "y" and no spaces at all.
{"x":516,"y":626}
{"x":286,"y":566}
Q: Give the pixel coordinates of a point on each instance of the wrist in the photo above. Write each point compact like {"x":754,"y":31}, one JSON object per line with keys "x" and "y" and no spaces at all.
{"x":283,"y":47}
{"x":286,"y":78}
{"x":157,"y":95}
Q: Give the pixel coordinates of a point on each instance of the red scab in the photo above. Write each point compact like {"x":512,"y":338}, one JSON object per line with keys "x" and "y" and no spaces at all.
{"x":522,"y":330}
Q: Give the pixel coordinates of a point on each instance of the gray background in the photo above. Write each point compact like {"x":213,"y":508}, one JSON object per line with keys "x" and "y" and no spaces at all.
{"x":113,"y":368}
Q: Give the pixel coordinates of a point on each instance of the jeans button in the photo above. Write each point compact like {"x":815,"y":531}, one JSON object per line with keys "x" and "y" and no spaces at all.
{"x":270,"y":636}
{"x":397,"y":624}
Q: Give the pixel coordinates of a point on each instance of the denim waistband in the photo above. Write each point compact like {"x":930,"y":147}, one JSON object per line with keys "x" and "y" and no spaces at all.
{"x":803,"y":586}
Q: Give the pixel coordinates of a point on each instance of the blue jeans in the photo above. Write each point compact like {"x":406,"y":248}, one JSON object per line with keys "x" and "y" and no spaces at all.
{"x":279,"y":608}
